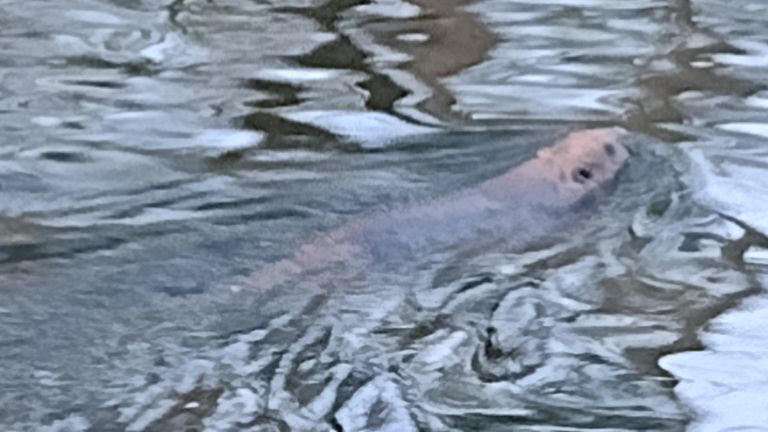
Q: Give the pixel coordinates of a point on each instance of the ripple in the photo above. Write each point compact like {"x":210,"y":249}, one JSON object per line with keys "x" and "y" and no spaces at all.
{"x":759,"y":129}
{"x":371,"y":129}
{"x":154,"y":153}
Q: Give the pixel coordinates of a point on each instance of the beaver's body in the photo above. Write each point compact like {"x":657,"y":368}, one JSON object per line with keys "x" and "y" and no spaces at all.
{"x":519,"y":203}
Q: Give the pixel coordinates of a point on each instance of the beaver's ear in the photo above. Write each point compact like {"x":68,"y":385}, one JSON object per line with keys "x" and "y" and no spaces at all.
{"x":545,"y":153}
{"x":620,"y":131}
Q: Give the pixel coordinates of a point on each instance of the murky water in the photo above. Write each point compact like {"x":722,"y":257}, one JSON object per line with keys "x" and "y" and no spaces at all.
{"x":155,"y":154}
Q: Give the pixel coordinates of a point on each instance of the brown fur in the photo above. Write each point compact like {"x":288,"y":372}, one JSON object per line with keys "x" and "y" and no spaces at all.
{"x":558,"y":177}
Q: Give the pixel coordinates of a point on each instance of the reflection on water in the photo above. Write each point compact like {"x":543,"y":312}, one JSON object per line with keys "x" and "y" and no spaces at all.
{"x":156,"y":152}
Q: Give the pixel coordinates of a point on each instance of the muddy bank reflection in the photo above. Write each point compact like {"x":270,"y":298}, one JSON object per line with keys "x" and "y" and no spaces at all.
{"x":441,"y":40}
{"x":682,"y":67}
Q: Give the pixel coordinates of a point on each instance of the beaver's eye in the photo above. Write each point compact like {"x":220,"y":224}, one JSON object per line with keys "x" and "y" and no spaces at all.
{"x":610,"y":150}
{"x":580,"y":175}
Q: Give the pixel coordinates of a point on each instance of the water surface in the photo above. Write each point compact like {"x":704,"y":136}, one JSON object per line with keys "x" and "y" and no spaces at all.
{"x":156,"y":153}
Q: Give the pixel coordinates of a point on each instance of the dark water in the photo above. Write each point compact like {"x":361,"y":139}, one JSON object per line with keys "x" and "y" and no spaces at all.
{"x":156,"y":153}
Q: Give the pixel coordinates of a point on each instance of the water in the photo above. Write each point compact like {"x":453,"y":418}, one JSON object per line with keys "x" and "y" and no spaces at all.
{"x":156,"y":153}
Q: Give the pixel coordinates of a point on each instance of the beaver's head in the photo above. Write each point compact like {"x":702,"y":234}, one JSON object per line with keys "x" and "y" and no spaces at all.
{"x":585,"y":159}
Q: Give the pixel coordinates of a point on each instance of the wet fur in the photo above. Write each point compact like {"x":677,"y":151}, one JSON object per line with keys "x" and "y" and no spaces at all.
{"x":527,"y":201}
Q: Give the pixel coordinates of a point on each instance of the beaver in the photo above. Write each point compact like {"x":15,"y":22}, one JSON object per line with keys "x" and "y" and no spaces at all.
{"x":519,"y":203}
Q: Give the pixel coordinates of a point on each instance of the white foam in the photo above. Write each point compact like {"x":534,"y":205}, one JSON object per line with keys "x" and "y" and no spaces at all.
{"x":729,"y":185}
{"x":47,"y":121}
{"x":322,"y":404}
{"x":157,"y":410}
{"x":234,"y":408}
{"x":355,"y":414}
{"x":546,"y":97}
{"x":596,"y":4}
{"x":228,"y":139}
{"x":73,"y":423}
{"x":390,"y":9}
{"x":725,"y":385}
{"x":436,"y":355}
{"x":370,"y":129}
{"x":413,"y":37}
{"x":174,"y":51}
{"x":94,"y":17}
{"x":296,"y":75}
{"x":197,"y":371}
{"x":181,"y":130}
{"x":755,"y":255}
{"x":759,"y":100}
{"x":756,"y":54}
{"x":753,"y":128}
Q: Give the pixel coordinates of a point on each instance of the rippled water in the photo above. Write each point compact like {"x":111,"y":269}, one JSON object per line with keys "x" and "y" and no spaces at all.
{"x":155,"y":154}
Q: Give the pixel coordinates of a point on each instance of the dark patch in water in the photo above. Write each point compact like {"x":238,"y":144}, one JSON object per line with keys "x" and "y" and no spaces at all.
{"x":60,"y":248}
{"x":266,"y":424}
{"x":64,"y":156}
{"x":93,"y":62}
{"x":226,"y":205}
{"x":382,"y":93}
{"x":98,"y":84}
{"x":186,"y":417}
{"x":182,"y":291}
{"x":326,"y":14}
{"x":285,"y":94}
{"x":342,"y":54}
{"x":276,"y":125}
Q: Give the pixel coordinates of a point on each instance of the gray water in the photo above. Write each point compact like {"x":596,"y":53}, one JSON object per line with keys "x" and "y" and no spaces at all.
{"x":155,"y":154}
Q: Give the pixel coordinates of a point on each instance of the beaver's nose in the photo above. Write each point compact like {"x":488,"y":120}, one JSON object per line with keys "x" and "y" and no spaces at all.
{"x":581,"y":175}
{"x":610,"y":150}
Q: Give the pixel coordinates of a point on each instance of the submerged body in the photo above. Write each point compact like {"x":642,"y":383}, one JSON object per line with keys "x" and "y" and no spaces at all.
{"x":519,"y":203}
